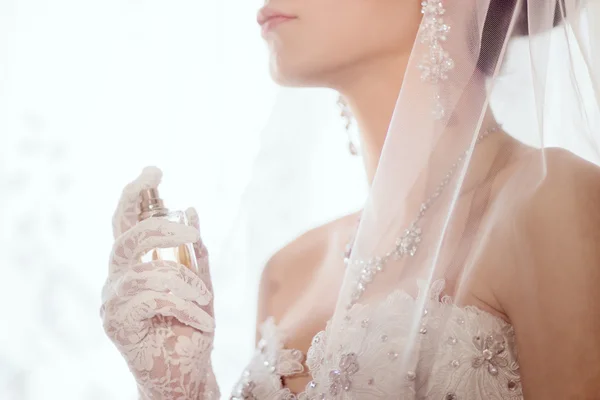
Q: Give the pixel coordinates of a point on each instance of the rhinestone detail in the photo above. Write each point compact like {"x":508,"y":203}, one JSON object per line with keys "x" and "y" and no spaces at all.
{"x":436,"y":63}
{"x":340,"y":378}
{"x":492,"y":354}
{"x":408,"y":243}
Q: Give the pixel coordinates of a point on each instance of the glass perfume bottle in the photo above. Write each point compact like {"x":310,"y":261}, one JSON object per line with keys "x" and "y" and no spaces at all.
{"x":152,"y":206}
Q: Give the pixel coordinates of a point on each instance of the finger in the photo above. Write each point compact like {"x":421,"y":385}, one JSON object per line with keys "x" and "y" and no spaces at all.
{"x":194,"y":221}
{"x":147,"y":235}
{"x":128,"y":209}
{"x":165,"y":277}
{"x":107,"y":290}
{"x":146,"y":305}
{"x":200,"y":249}
{"x":193,"y":218}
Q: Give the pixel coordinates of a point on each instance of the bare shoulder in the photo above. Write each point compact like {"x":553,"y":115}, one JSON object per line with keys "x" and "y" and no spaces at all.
{"x":292,"y":268}
{"x":569,"y":192}
{"x":557,"y":217}
{"x":568,"y":166}
{"x":554,"y":299}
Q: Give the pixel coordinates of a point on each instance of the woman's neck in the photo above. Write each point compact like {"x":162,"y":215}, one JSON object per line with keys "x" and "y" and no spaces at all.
{"x":372,"y":98}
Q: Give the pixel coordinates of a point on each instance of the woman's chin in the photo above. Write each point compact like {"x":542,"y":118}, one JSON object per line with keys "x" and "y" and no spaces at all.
{"x":289,"y":78}
{"x":297,"y":77}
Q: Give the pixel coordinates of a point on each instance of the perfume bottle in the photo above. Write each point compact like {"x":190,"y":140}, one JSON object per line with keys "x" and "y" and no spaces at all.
{"x":152,"y":206}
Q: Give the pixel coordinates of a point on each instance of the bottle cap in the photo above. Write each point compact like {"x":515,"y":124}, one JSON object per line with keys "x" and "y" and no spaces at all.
{"x":151,"y":200}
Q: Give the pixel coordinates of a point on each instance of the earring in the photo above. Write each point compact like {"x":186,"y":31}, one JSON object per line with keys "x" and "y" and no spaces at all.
{"x":436,"y":63}
{"x":346,"y":114}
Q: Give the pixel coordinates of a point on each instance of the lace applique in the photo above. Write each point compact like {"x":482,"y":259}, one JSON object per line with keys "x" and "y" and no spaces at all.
{"x":271,"y":362}
{"x":475,"y":360}
{"x":316,"y":353}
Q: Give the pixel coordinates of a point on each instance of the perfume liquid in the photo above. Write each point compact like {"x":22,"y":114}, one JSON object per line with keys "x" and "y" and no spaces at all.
{"x":152,"y":206}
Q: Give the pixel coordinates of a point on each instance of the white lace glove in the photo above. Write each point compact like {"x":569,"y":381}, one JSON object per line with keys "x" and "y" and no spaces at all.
{"x":159,"y":314}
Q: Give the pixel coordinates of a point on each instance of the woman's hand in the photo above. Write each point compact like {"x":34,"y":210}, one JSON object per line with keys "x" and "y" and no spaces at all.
{"x":159,"y":314}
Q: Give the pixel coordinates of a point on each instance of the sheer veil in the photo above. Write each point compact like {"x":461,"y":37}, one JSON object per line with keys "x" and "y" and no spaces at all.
{"x":485,"y":118}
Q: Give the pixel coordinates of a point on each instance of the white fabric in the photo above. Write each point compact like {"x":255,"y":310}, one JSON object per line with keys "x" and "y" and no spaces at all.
{"x":476,"y":360}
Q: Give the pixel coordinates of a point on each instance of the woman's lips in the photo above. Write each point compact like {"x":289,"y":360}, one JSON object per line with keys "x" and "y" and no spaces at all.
{"x":269,"y":18}
{"x":271,"y":23}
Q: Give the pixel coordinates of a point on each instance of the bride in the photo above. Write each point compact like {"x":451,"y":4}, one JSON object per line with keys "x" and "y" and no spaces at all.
{"x":471,"y":272}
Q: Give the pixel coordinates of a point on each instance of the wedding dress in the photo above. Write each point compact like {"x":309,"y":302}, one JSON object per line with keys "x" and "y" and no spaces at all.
{"x":475,"y":360}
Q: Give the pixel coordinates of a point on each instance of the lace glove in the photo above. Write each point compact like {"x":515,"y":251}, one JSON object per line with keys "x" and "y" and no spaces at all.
{"x":159,"y":314}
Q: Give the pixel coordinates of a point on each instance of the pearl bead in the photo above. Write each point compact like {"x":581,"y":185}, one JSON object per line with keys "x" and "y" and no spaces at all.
{"x":487,"y":354}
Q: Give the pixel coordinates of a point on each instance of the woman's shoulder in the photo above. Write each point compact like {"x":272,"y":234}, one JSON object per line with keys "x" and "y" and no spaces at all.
{"x":567,"y":185}
{"x":545,"y":223}
{"x":292,"y":267}
{"x":554,"y":255}
{"x":553,"y":234}
{"x":539,"y":184}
